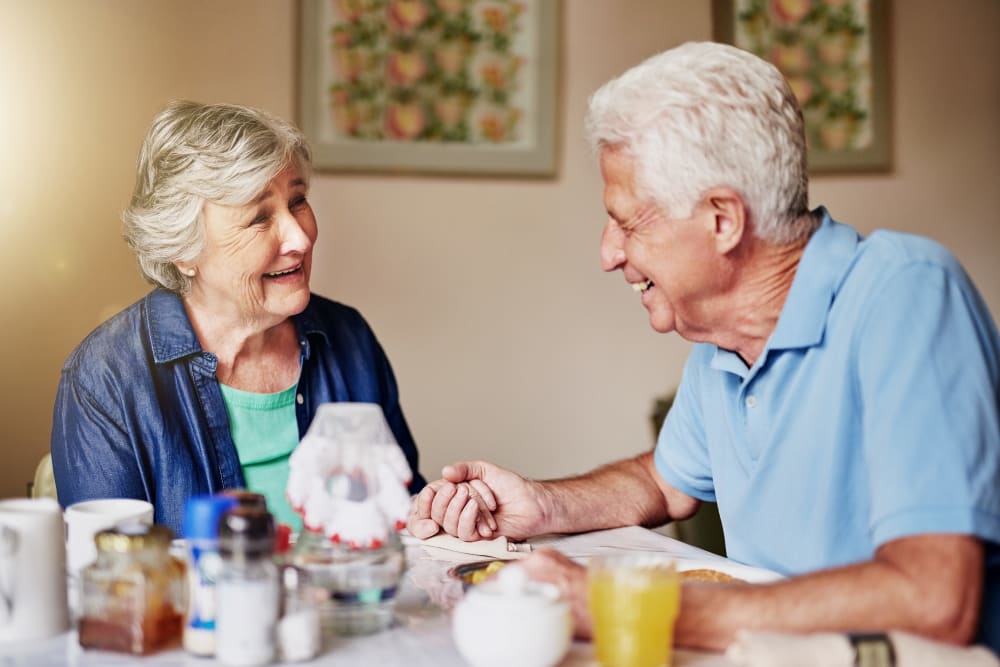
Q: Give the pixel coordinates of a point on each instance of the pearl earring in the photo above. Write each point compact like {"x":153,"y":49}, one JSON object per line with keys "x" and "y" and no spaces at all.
{"x":190,"y":273}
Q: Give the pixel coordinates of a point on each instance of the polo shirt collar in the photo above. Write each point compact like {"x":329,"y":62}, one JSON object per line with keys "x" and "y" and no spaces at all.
{"x":826,"y":258}
{"x":172,"y":337}
{"x":802,"y":323}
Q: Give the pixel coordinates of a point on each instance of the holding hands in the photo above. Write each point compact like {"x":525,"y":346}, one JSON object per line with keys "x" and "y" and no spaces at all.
{"x":476,"y":500}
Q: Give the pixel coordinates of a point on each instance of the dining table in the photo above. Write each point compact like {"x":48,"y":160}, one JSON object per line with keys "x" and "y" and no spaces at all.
{"x":421,"y":634}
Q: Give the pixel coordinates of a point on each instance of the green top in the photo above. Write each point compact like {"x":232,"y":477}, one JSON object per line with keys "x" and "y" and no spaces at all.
{"x":265,"y":431}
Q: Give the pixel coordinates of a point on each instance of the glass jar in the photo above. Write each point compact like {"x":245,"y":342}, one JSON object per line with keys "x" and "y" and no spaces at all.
{"x":246,"y":593}
{"x":133,"y":595}
{"x":355,"y":589}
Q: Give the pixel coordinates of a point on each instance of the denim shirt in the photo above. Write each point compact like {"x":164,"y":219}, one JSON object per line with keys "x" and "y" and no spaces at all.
{"x":139,"y":413}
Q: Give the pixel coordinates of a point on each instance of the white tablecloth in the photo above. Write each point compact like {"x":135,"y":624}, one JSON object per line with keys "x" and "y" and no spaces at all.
{"x":421,"y":636}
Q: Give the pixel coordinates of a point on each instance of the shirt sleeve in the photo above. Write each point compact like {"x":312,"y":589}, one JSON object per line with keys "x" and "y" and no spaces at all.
{"x":927,"y":378}
{"x":92,"y":453}
{"x":681,"y":454}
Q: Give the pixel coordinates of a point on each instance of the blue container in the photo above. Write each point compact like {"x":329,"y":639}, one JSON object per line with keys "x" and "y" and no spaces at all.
{"x":201,"y":531}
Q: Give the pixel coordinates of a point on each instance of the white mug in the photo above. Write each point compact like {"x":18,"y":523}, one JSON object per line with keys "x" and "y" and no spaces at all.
{"x":32,"y":570}
{"x":88,"y":517}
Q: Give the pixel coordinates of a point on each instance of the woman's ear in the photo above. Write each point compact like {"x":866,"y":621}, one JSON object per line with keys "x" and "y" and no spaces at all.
{"x":186,"y":268}
{"x":729,"y":215}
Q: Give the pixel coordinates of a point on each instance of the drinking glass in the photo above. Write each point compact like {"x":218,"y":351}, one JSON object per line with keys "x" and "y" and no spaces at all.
{"x":634,"y":601}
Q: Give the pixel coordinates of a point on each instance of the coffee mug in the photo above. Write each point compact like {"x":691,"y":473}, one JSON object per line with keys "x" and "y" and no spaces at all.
{"x":88,"y":517}
{"x":33,"y":601}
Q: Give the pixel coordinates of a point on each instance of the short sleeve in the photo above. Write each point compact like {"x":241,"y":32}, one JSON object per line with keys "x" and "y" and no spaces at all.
{"x":681,"y":454}
{"x":927,"y":377}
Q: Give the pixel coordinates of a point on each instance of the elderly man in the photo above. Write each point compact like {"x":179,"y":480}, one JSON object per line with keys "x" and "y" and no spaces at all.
{"x":840,"y":403}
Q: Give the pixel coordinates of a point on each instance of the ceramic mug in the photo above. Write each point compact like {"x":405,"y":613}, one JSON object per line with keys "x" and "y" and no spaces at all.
{"x":33,"y":601}
{"x":88,"y":517}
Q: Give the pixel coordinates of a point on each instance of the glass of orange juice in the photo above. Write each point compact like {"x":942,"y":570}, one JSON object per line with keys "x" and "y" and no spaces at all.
{"x":634,"y":601}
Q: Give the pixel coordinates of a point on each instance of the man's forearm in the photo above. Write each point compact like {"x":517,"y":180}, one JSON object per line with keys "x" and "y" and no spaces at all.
{"x":930,"y":586}
{"x":618,"y":494}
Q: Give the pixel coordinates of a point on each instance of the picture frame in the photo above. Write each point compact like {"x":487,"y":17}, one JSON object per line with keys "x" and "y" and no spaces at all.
{"x":461,"y":87}
{"x":835,"y":56}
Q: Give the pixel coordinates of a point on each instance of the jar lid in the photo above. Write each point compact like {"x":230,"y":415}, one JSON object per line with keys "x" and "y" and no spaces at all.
{"x":202,"y":514}
{"x":133,"y":537}
{"x":246,"y":530}
{"x":247,"y":498}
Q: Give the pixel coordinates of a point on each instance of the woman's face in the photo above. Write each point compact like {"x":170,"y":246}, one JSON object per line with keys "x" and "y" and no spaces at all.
{"x":257,"y":258}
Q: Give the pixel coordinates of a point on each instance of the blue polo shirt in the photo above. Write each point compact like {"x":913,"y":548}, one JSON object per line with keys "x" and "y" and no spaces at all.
{"x":872,"y":413}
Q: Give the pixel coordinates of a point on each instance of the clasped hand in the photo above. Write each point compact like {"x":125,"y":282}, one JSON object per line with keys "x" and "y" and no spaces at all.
{"x":476,"y":500}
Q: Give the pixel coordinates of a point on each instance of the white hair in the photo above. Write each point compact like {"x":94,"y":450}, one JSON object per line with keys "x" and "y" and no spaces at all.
{"x":706,"y":115}
{"x":193,"y":153}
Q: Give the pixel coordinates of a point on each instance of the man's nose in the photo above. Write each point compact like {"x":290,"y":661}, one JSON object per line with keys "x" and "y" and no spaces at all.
{"x":612,"y":252}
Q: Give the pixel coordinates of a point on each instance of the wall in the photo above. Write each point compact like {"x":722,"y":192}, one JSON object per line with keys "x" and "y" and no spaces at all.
{"x":508,"y":341}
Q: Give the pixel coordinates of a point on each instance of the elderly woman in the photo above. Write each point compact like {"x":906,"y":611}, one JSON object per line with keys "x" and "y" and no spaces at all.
{"x":210,"y":380}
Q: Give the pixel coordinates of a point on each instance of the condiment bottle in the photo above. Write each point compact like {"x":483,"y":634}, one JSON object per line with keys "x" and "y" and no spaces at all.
{"x":132,"y":596}
{"x":299,"y":636}
{"x":246,"y":592}
{"x":283,"y":532}
{"x":247,"y":498}
{"x":201,"y":532}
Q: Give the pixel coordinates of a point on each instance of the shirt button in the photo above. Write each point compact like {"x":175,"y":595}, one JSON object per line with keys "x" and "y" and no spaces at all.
{"x":299,"y":399}
{"x":751,"y":402}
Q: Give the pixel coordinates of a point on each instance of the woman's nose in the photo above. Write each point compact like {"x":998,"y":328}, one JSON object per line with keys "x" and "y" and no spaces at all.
{"x":612,"y":252}
{"x":295,"y":238}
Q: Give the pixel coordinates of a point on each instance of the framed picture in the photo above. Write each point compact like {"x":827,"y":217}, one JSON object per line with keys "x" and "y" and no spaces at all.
{"x":834,"y":54}
{"x":440,"y":86}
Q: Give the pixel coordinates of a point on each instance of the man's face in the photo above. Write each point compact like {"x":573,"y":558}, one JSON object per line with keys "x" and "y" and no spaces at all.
{"x":670,"y":261}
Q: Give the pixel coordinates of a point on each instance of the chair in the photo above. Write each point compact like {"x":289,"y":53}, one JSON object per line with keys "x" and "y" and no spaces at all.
{"x":44,"y":485}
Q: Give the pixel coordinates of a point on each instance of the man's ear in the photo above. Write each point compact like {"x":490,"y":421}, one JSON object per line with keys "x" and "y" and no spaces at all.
{"x":728,"y":217}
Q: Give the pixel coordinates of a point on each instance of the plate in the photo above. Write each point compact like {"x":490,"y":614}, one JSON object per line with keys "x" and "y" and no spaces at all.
{"x":466,"y":572}
{"x":748,"y":573}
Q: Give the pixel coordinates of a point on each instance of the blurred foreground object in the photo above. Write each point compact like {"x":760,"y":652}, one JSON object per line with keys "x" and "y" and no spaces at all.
{"x":348,"y":477}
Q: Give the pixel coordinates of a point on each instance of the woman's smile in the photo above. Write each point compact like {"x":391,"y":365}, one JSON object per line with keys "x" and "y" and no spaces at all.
{"x":284,"y":276}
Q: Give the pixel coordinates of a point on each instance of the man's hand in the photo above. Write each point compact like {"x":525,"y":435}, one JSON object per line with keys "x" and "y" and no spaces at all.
{"x":569,"y":577}
{"x":478,"y":500}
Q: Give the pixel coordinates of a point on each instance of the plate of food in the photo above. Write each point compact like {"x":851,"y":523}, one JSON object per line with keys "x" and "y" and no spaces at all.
{"x":725,"y":572}
{"x":471,"y":574}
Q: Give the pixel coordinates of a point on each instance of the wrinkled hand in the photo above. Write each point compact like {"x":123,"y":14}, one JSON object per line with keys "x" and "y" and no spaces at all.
{"x":477,"y":500}
{"x":551,"y":566}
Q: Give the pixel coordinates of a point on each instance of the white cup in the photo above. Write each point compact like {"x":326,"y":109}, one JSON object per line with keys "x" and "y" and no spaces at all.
{"x":87,"y":518}
{"x":32,"y":570}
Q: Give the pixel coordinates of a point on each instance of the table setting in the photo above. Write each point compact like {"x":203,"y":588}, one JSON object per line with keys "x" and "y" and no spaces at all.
{"x":421,"y":632}
{"x":101,"y":584}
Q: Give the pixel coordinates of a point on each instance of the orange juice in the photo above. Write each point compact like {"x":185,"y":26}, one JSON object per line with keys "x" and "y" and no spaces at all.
{"x":633,"y":603}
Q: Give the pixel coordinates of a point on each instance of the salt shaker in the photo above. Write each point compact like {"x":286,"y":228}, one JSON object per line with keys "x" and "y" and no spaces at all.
{"x":246,"y":593}
{"x":299,"y":635}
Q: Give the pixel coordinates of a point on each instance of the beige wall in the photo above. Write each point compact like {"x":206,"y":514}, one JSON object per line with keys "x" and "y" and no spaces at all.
{"x":507,"y":339}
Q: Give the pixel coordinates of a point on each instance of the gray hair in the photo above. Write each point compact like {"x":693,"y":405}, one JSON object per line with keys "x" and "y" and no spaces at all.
{"x":705,"y":115}
{"x":193,"y":153}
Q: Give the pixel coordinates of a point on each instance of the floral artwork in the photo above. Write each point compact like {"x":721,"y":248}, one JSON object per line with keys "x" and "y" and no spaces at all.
{"x":829,"y":51}
{"x":425,"y":71}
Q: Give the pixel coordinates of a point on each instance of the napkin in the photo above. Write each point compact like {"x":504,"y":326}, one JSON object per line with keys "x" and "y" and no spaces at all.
{"x":753,"y":648}
{"x":499,"y":547}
